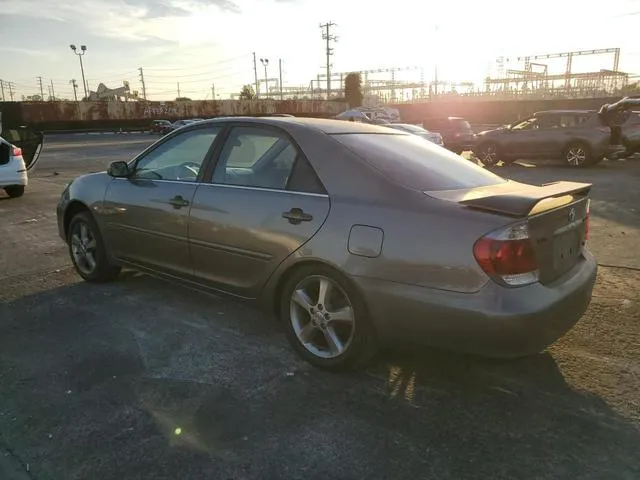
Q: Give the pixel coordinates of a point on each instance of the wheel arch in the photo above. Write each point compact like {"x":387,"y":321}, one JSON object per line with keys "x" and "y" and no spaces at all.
{"x":272,"y":299}
{"x":74,"y":207}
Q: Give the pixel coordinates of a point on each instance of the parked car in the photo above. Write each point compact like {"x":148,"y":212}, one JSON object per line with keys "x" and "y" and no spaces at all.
{"x":19,"y":153}
{"x":175,"y":125}
{"x":579,"y":137}
{"x":456,"y":132}
{"x":157,"y":126}
{"x":631,"y":134}
{"x":419,"y":131}
{"x":354,"y":235}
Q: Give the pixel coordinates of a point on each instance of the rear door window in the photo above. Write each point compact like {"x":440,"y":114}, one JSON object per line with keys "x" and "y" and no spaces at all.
{"x":412,"y":162}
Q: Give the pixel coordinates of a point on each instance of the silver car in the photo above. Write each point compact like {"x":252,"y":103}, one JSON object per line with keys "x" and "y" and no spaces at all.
{"x":354,"y":235}
{"x":433,"y":137}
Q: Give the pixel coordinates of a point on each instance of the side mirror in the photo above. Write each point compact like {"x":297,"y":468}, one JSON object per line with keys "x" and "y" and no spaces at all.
{"x":118,"y":169}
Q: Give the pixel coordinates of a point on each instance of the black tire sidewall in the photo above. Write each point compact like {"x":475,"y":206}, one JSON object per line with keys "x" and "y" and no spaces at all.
{"x":104,"y":270}
{"x":15,"y":191}
{"x":363,"y":345}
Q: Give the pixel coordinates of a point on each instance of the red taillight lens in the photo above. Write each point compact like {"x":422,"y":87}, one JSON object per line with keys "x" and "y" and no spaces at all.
{"x":509,"y":255}
{"x":17,"y":152}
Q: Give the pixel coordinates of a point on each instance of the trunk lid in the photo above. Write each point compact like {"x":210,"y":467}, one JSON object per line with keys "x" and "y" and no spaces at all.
{"x":556,"y":215}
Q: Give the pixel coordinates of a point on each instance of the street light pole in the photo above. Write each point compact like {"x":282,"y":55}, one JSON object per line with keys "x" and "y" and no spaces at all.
{"x":265,"y":63}
{"x":83,"y":50}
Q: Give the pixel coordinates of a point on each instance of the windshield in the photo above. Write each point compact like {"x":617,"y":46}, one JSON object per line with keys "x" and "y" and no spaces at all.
{"x":410,"y":161}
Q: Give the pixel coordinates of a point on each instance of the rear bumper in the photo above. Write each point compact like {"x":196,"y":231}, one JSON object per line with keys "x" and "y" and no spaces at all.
{"x":495,"y":321}
{"x":13,"y":178}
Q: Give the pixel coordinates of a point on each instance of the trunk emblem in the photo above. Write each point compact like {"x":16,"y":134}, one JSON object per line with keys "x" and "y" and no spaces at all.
{"x":572,"y":215}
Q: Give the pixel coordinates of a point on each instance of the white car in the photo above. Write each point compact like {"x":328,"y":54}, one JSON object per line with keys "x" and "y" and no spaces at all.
{"x":16,"y":162}
{"x":433,"y":137}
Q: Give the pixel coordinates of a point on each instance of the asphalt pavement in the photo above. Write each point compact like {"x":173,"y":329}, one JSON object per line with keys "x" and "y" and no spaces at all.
{"x":143,"y":379}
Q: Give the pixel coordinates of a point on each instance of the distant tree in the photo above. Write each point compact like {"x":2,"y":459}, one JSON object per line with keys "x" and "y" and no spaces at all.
{"x":183,"y":99}
{"x":353,"y":90}
{"x":247,"y":93}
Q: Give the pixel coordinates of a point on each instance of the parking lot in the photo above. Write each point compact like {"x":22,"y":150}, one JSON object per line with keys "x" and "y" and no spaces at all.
{"x":143,"y":379}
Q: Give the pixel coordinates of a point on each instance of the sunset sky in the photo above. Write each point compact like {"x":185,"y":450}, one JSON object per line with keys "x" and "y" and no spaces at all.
{"x":200,"y":42}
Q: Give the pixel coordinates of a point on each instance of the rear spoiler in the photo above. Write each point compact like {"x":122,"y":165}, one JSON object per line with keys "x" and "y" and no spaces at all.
{"x":516,"y":199}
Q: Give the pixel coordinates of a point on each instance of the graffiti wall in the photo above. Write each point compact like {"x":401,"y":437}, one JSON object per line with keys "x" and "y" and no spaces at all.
{"x":50,"y":112}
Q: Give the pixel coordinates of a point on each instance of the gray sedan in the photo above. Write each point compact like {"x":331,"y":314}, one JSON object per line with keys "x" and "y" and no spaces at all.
{"x":354,"y":235}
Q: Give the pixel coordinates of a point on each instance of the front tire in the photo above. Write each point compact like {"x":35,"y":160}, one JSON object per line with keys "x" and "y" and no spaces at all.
{"x":326,"y":319}
{"x":14,"y":191}
{"x":87,"y":250}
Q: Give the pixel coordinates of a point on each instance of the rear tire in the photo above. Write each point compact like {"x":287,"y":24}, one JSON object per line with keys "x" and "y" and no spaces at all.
{"x":334,"y":336}
{"x":87,"y":250}
{"x":578,"y":155}
{"x":14,"y":191}
{"x":488,"y":153}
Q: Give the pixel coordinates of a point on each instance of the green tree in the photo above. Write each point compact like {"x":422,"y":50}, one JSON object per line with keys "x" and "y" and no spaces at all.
{"x":353,"y":90}
{"x":247,"y":93}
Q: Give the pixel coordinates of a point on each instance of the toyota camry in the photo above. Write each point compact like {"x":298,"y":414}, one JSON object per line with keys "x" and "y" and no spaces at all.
{"x":355,"y":236}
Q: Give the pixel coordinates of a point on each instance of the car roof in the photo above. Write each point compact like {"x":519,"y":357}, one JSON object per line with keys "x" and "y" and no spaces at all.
{"x":328,"y":126}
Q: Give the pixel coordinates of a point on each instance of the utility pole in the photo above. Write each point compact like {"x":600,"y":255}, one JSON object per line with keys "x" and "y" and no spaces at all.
{"x":2,"y":88}
{"x":75,"y":89}
{"x":280,"y":72}
{"x":178,"y":89}
{"x":265,"y":63}
{"x":80,"y":54}
{"x":10,"y":84}
{"x":255,"y":75}
{"x":144,"y":90}
{"x":41,"y":90}
{"x":213,"y":91}
{"x":53,"y":92}
{"x":326,"y":35}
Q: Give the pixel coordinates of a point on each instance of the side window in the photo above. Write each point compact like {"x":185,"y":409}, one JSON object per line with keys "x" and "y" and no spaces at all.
{"x":550,"y":121}
{"x":256,"y":157}
{"x":179,"y":158}
{"x":529,"y":124}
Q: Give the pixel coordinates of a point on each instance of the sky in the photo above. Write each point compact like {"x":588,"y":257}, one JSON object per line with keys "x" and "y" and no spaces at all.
{"x":200,"y":43}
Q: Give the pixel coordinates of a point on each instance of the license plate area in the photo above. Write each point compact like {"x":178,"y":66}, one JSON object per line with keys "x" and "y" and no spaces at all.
{"x":567,"y":249}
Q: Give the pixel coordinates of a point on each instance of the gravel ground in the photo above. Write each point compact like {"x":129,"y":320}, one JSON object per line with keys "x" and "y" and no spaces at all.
{"x":142,"y":379}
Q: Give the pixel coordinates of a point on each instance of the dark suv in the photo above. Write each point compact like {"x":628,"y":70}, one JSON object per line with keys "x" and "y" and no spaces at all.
{"x":631,"y":134}
{"x":456,"y":132}
{"x":579,"y":137}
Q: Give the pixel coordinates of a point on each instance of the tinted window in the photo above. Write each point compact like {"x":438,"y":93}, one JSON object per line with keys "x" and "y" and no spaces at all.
{"x":412,"y":162}
{"x":255,"y":157}
{"x":179,"y":158}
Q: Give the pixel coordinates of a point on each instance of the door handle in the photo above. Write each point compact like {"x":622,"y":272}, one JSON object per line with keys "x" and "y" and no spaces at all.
{"x":296,"y":216}
{"x":179,"y":202}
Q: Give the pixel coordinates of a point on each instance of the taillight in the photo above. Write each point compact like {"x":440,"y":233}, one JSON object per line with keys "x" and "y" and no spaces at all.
{"x":508,"y":255}
{"x":17,"y":152}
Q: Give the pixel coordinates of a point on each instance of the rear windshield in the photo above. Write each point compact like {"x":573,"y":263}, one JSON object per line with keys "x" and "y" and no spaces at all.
{"x":415,"y":163}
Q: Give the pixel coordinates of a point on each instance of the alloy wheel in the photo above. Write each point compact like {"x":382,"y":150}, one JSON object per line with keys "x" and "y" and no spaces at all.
{"x":322,"y":316}
{"x":489,"y":154}
{"x":83,"y":247}
{"x":576,"y":156}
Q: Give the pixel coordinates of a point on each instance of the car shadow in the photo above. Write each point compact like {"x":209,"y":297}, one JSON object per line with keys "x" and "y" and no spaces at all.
{"x":144,"y":379}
